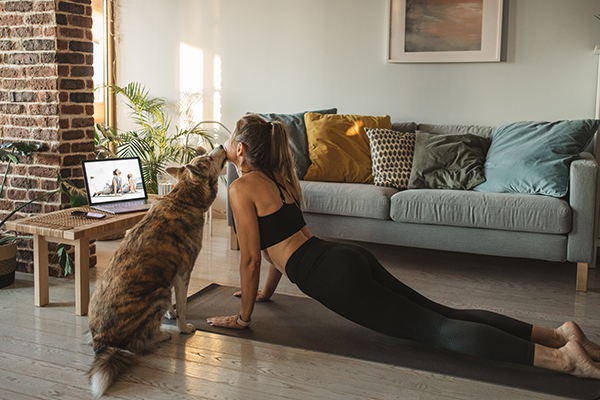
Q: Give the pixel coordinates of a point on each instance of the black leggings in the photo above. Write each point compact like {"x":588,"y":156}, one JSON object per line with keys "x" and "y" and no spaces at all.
{"x":350,"y":281}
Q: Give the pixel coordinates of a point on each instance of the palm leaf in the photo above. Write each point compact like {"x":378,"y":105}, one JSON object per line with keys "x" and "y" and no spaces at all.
{"x":77,"y":197}
{"x":23,"y":149}
{"x":108,"y":132}
{"x":8,"y":156}
{"x":147,"y":112}
{"x":64,"y":260}
{"x":16,"y":148}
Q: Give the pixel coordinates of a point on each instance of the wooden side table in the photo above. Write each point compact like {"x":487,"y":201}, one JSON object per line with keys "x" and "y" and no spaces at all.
{"x":62,"y":227}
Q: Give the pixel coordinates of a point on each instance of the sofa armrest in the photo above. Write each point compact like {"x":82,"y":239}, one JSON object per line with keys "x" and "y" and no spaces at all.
{"x":583,"y":186}
{"x":231,"y":176}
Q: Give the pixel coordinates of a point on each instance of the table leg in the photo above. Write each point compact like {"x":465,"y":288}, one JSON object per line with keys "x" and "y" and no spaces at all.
{"x":582,"y":277}
{"x":210,"y":220}
{"x":82,"y":276}
{"x":40,"y":271}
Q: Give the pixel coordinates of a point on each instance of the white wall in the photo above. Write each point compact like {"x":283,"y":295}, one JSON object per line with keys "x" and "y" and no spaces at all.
{"x":295,"y":55}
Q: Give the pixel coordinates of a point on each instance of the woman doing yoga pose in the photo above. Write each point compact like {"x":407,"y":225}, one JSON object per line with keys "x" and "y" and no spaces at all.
{"x":350,"y":281}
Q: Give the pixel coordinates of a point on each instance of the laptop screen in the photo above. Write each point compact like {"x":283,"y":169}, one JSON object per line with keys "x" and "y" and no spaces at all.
{"x":113,"y":180}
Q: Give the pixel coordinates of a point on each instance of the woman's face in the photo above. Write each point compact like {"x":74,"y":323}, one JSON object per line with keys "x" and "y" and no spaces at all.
{"x":230,"y":147}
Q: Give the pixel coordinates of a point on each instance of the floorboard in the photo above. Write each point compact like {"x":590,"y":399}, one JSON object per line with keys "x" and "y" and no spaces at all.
{"x":43,"y":354}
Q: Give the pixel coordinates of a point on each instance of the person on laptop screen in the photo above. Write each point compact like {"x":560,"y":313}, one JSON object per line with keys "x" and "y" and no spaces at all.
{"x":115,"y":188}
{"x":131,"y":184}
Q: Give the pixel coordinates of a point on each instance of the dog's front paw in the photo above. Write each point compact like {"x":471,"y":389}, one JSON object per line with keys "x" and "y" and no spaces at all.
{"x":188,"y":328}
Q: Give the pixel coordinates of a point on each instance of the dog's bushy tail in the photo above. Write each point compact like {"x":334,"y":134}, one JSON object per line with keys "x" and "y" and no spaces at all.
{"x":109,"y":363}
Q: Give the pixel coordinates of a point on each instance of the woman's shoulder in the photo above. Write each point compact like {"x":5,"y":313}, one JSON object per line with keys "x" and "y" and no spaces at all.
{"x":246,"y":182}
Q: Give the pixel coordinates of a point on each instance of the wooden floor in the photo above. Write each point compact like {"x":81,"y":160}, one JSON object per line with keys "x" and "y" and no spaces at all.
{"x":42,"y":354}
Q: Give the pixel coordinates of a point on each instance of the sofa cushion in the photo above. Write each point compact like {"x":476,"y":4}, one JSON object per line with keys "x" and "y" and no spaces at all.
{"x":479,"y":130}
{"x":404,"y":126}
{"x":350,"y":199}
{"x":297,"y":132}
{"x":448,"y":161}
{"x":338,"y":146}
{"x":392,"y":155}
{"x":534,"y":157}
{"x":512,"y":212}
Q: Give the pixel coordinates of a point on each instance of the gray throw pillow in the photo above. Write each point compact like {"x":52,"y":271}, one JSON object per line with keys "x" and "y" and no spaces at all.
{"x":448,"y":161}
{"x":298,"y":139}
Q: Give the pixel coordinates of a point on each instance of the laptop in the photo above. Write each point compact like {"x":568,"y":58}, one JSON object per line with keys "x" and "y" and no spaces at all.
{"x":115,"y":185}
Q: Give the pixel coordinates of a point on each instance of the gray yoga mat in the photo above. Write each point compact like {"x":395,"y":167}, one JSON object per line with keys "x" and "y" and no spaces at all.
{"x":306,"y":324}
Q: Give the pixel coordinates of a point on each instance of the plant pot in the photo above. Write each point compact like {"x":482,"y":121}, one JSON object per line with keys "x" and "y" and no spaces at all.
{"x":8,"y":264}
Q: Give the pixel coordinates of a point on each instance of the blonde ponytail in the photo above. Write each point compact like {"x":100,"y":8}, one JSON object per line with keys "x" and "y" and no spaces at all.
{"x":268,"y":149}
{"x":282,"y":159}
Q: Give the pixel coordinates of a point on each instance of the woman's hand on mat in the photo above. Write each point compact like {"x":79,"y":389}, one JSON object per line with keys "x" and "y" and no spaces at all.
{"x":260,"y":297}
{"x":225,"y":322}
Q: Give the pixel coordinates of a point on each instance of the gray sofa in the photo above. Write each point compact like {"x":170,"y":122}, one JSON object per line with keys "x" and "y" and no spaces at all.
{"x":498,"y":224}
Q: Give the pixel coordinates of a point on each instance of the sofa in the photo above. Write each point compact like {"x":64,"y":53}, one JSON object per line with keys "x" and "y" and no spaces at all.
{"x":558,"y":227}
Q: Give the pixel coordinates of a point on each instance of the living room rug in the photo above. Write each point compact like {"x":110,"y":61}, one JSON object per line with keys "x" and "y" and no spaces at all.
{"x":306,"y":324}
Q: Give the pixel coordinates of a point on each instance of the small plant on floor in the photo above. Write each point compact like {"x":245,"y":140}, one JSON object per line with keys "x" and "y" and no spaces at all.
{"x":9,"y":153}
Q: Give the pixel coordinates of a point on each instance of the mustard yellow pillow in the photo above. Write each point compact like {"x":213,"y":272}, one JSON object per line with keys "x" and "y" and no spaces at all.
{"x":338,"y":146}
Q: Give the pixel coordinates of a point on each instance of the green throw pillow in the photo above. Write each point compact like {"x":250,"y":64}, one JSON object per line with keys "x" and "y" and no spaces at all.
{"x":448,"y":161}
{"x":534,"y":157}
{"x":298,"y":140}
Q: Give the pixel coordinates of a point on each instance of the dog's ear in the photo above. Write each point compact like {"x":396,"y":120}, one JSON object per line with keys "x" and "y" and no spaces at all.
{"x":200,"y":151}
{"x":175,"y":172}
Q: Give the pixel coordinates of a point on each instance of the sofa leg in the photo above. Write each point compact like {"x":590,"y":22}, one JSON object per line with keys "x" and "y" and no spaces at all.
{"x":582,"y":276}
{"x":233,"y":240}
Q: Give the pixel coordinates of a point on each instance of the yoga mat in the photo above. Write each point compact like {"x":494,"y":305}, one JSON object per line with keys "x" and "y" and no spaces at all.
{"x":306,"y":324}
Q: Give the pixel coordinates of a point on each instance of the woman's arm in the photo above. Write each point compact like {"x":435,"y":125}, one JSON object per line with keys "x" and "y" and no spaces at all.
{"x":271,"y":283}
{"x":273,"y":278}
{"x":246,"y":222}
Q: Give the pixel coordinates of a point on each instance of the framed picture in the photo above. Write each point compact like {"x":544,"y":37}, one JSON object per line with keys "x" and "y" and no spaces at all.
{"x":444,"y":31}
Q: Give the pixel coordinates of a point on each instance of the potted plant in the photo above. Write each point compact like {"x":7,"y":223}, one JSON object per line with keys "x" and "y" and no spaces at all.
{"x":8,"y":241}
{"x":153,"y":140}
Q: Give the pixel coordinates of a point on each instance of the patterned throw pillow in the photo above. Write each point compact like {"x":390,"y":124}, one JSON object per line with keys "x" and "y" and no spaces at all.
{"x":392,"y":155}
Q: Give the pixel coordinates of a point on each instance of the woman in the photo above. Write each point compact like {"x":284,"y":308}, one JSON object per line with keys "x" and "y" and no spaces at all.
{"x":129,"y":187}
{"x":350,"y":281}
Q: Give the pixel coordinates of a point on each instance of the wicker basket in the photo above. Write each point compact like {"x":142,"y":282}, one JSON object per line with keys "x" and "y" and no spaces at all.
{"x":8,"y":264}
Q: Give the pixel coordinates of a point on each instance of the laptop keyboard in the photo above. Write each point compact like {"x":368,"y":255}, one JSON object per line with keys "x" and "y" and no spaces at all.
{"x":124,"y":204}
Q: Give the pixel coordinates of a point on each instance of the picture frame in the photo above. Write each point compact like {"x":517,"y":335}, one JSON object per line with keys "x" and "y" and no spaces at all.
{"x":452,"y":31}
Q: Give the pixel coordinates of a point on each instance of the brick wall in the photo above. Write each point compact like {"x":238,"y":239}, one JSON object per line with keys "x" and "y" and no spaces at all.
{"x":45,"y":97}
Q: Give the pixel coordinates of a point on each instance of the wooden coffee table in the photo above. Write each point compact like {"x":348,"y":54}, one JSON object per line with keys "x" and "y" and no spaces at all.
{"x":62,"y":227}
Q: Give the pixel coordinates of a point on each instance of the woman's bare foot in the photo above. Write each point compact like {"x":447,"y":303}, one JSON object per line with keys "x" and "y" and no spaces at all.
{"x":577,"y":362}
{"x":570,"y":331}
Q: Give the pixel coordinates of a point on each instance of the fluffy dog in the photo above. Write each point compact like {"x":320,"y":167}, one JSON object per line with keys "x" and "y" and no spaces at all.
{"x":157,"y":254}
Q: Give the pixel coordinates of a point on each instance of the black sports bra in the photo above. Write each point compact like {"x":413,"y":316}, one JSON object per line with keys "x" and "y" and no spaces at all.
{"x":283,"y":223}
